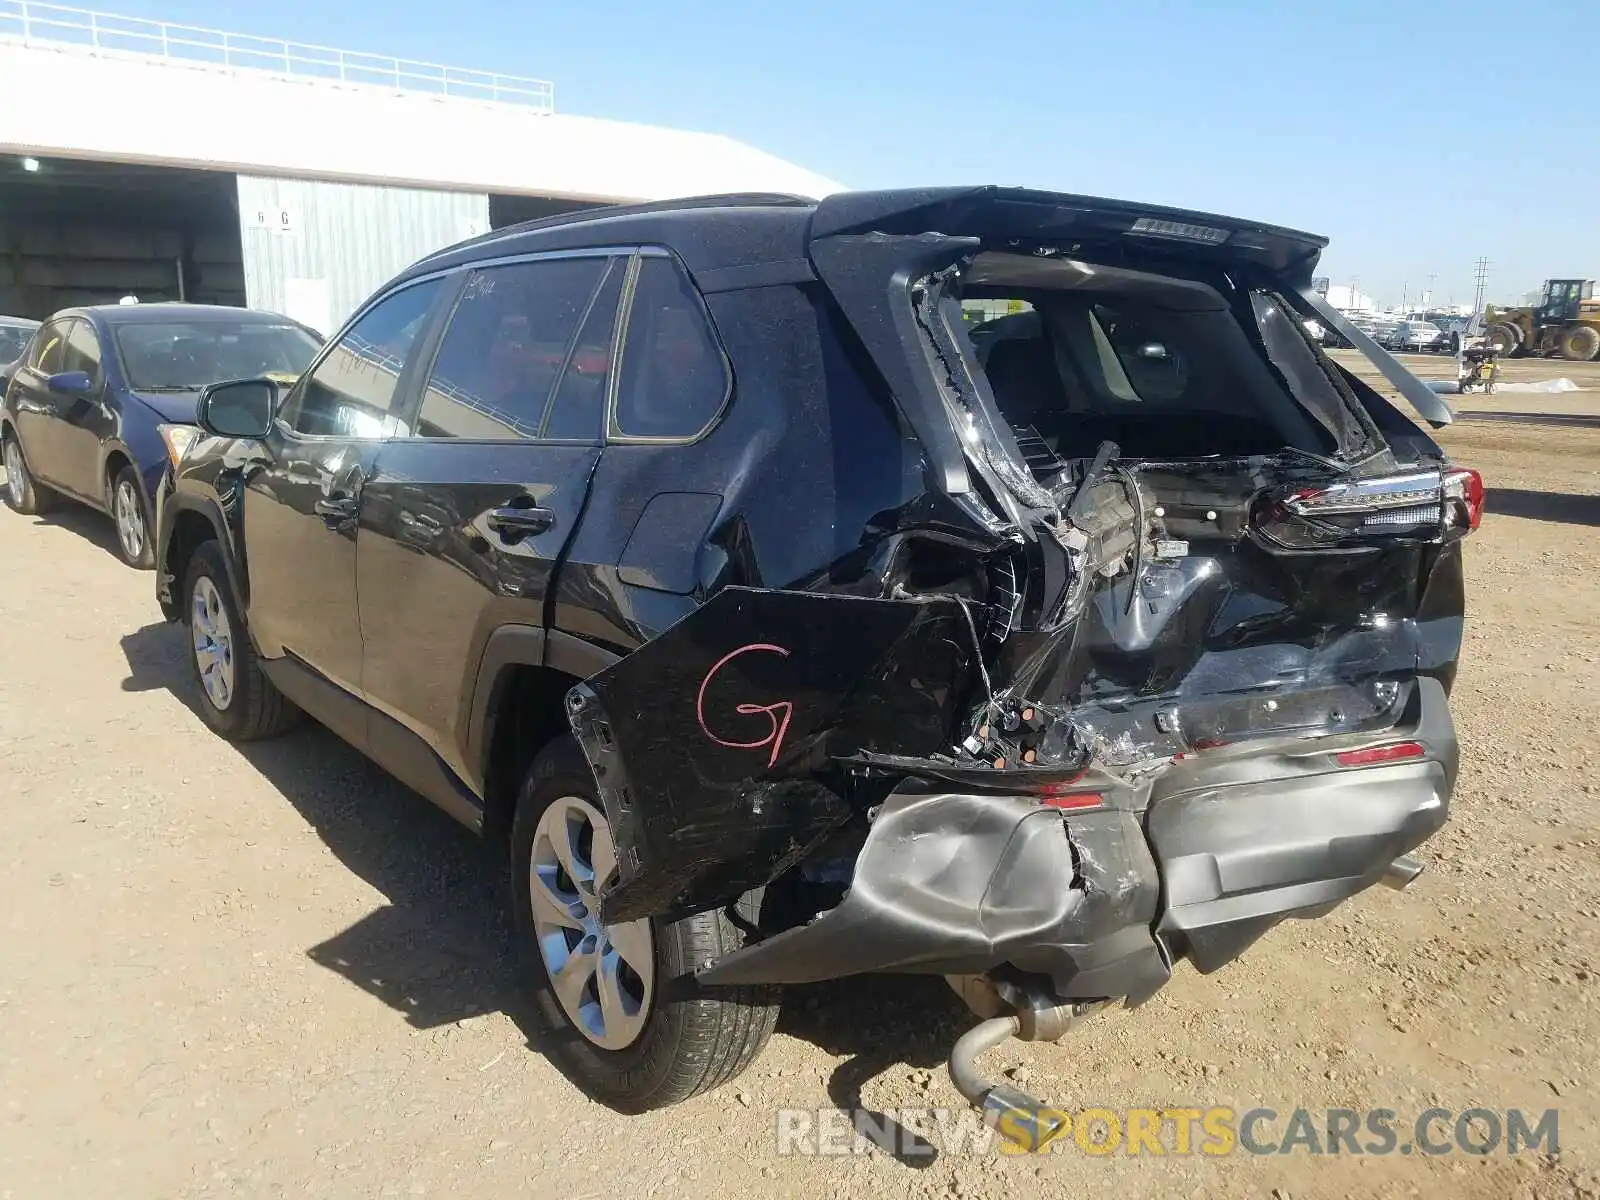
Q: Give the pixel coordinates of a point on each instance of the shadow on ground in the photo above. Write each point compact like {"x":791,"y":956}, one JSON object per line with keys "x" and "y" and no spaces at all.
{"x":1561,"y":508}
{"x":879,"y":1023}
{"x":93,"y":527}
{"x":442,"y":949}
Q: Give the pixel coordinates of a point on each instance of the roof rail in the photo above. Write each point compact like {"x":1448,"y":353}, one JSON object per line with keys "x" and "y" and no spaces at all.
{"x":606,"y":211}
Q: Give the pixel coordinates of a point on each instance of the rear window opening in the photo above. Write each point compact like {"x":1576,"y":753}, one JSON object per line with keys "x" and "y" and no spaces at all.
{"x":1077,"y":354}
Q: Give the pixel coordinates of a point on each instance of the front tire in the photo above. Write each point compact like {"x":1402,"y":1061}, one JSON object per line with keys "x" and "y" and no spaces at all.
{"x":23,"y":495}
{"x":1504,"y":337}
{"x":236,"y":697}
{"x":133,"y":523}
{"x":603,"y":995}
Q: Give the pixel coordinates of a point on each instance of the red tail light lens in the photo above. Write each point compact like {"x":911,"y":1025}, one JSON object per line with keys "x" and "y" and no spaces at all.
{"x":1463,"y":492}
{"x":1374,"y":756}
{"x":1072,"y":800}
{"x":1068,"y":794}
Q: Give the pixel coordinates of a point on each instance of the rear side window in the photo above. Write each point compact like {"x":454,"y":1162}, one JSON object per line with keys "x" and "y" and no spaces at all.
{"x":674,"y":379}
{"x":526,"y":340}
{"x":352,"y":390}
{"x":49,"y":348}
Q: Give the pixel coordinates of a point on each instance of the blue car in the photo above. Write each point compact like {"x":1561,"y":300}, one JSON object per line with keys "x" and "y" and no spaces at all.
{"x":103,"y":400}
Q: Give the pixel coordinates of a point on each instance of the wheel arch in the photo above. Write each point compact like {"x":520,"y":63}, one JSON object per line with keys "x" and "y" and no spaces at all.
{"x":518,"y":706}
{"x":191,"y":524}
{"x":114,"y":456}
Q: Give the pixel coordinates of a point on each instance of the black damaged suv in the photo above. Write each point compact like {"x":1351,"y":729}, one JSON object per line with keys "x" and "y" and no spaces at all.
{"x":787,"y":624}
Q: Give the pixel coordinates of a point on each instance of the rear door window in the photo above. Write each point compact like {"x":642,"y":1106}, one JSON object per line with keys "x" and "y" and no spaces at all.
{"x":578,"y":408}
{"x":674,"y":379}
{"x":527,"y":341}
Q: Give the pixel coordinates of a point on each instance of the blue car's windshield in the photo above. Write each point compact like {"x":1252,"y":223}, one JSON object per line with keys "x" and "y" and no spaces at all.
{"x":186,"y":357}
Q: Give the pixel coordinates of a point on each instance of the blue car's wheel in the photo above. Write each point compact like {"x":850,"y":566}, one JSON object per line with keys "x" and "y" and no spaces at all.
{"x":133,"y":527}
{"x":22,"y":494}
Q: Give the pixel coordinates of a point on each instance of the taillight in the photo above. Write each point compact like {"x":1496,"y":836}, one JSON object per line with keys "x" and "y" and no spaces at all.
{"x":1415,"y":504}
{"x":1463,"y":494}
{"x":1374,"y":756}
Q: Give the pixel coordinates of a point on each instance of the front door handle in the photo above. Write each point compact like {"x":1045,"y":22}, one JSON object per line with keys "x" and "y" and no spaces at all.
{"x":337,"y":508}
{"x":514,"y":524}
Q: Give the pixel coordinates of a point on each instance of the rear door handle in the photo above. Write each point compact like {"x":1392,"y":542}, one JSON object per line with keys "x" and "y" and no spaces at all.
{"x":514,"y":524}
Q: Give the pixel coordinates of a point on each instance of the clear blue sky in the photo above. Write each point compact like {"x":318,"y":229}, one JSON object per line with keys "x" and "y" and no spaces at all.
{"x":1417,"y":135}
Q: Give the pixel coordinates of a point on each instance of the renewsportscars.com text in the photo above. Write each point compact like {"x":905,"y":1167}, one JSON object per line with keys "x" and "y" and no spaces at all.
{"x":1212,"y":1132}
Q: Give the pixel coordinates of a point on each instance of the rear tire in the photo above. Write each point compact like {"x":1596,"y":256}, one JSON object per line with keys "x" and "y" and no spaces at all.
{"x":647,"y":1049}
{"x":128,"y":512}
{"x":1580,"y":343}
{"x":236,"y":697}
{"x":23,"y":495}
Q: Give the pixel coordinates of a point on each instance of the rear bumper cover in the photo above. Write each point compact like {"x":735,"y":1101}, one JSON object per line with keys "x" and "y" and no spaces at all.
{"x":1100,"y":902}
{"x":954,"y":883}
{"x":1254,"y":841}
{"x":1238,"y":859}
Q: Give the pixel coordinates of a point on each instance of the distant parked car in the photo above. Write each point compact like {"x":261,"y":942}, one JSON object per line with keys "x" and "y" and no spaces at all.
{"x":1452,"y":331}
{"x":103,"y":401}
{"x":14,"y":335}
{"x":1380,"y":329}
{"x":1415,"y":336}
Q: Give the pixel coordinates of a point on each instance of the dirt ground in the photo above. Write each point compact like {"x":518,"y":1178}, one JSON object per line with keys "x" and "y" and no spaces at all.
{"x":273,"y":971}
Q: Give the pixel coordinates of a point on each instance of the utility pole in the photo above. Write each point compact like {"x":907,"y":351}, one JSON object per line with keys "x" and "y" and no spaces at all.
{"x":1480,"y":278}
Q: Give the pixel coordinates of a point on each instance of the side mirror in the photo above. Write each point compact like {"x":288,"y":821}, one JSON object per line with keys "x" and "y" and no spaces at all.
{"x":70,"y":383}
{"x":240,"y":408}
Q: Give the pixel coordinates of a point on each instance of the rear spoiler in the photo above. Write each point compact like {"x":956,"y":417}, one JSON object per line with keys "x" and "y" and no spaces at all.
{"x":1021,"y":214}
{"x":1422,"y":398}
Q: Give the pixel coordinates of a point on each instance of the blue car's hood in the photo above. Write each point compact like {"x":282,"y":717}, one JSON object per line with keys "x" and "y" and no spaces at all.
{"x":178,"y":407}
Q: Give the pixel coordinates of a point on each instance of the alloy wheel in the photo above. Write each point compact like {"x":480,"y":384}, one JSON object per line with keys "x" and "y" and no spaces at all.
{"x":16,"y":473}
{"x":213,"y":643}
{"x":130,"y":520}
{"x":602,"y":975}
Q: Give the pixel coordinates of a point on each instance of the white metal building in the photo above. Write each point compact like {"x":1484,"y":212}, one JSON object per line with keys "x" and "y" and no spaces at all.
{"x":172,"y":162}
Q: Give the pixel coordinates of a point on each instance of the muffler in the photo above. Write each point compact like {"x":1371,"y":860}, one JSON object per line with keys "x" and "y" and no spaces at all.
{"x":1011,"y":1112}
{"x":1402,"y":872}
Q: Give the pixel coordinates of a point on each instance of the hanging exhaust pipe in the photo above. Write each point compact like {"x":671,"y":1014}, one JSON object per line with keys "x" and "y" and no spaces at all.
{"x":1402,"y":872}
{"x":1010,"y":1111}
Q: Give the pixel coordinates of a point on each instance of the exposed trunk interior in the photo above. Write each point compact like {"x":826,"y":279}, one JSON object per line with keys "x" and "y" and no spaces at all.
{"x":1164,"y":367}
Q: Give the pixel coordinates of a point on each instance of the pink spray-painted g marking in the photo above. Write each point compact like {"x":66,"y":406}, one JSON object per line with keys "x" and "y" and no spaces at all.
{"x":780,"y":724}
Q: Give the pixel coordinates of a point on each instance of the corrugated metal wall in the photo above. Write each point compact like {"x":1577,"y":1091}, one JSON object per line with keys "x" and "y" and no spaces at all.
{"x":315,"y":250}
